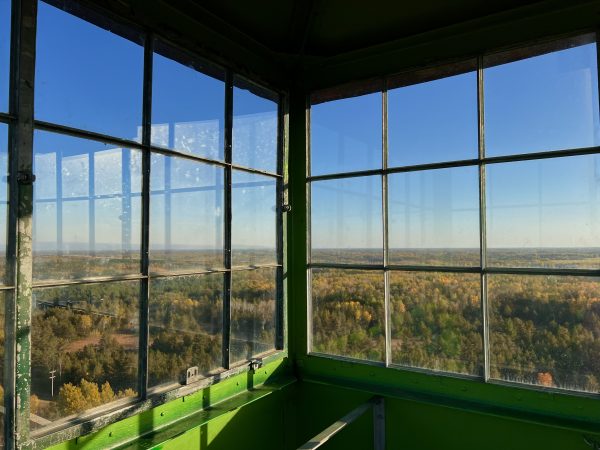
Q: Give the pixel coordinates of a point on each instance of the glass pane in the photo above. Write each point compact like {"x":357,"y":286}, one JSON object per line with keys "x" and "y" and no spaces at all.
{"x":186,"y":326}
{"x":254,"y":219}
{"x":544,"y":213}
{"x":84,"y":348}
{"x":436,"y":321}
{"x":548,"y":102}
{"x":544,"y":330}
{"x":5,"y":18}
{"x":433,"y":122}
{"x":434,"y":217}
{"x":102,"y":88}
{"x":348,"y":317}
{"x":346,"y":221}
{"x":86,"y":211}
{"x":253,"y":313}
{"x":345,"y":135}
{"x":188,"y":108}
{"x":254,"y":131}
{"x":186,"y":215}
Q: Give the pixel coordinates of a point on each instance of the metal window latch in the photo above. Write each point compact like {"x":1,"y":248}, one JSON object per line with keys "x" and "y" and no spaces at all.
{"x":286,"y":207}
{"x":255,"y":363}
{"x":25,"y":177}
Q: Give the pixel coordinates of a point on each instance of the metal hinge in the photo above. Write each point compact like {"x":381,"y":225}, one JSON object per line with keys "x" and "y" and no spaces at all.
{"x":25,"y":177}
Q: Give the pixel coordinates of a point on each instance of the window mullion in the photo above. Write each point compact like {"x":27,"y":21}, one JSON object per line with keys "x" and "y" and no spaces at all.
{"x":482,"y":221}
{"x":145,"y":257}
{"x":22,"y":95}
{"x":384,"y":209}
{"x":227,"y":207}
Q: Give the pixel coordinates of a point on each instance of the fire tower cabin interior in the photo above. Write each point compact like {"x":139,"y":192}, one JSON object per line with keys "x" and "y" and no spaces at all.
{"x":300,"y":224}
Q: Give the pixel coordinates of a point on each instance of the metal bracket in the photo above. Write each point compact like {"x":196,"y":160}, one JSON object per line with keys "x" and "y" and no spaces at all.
{"x":25,"y":177}
{"x":255,"y":363}
{"x":591,"y":442}
{"x":192,"y":375}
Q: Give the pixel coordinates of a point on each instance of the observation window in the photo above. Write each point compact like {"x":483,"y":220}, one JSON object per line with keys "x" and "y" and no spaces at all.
{"x":155,"y":215}
{"x":477,"y":233}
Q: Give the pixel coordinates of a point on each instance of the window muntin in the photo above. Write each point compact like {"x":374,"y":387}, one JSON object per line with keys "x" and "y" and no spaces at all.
{"x":96,"y":76}
{"x":520,"y":203}
{"x":345,"y":135}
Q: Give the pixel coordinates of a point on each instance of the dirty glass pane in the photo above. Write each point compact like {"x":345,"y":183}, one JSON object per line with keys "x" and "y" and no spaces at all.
{"x":86,"y":209}
{"x":87,"y":77}
{"x":544,"y":330}
{"x":254,"y":131}
{"x":345,"y":135}
{"x":253,"y":313}
{"x":5,"y":19}
{"x":544,"y":213}
{"x":346,"y":221}
{"x":186,"y":326}
{"x":547,"y":102}
{"x":436,"y":321}
{"x":254,"y":219}
{"x":188,"y":109}
{"x":433,"y":122}
{"x":4,"y":297}
{"x":84,"y":348}
{"x":348,"y":317}
{"x":434,"y":217}
{"x":186,"y":215}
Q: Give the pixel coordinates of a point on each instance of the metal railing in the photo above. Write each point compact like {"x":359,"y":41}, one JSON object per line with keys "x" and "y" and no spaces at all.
{"x":378,"y":406}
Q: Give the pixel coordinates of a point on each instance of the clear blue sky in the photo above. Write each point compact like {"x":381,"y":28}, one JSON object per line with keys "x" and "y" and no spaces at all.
{"x":549,"y":102}
{"x":89,"y":78}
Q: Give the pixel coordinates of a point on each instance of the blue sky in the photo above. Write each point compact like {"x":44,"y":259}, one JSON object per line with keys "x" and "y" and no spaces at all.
{"x":89,"y":78}
{"x":549,"y":102}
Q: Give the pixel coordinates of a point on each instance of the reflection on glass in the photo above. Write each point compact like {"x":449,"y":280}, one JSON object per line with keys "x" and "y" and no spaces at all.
{"x":346,"y":221}
{"x":186,"y":325}
{"x":548,"y":102}
{"x":433,"y":122}
{"x":86,"y":211}
{"x":253,"y":313}
{"x":544,"y":213}
{"x":254,"y":131}
{"x":434,"y":217}
{"x":102,"y":88}
{"x":84,"y":348}
{"x":188,"y":109}
{"x":186,"y":215}
{"x":254,"y":217}
{"x":346,"y":135}
{"x":544,"y":330}
{"x":348,"y":317}
{"x":436,"y":321}
{"x":5,"y":17}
